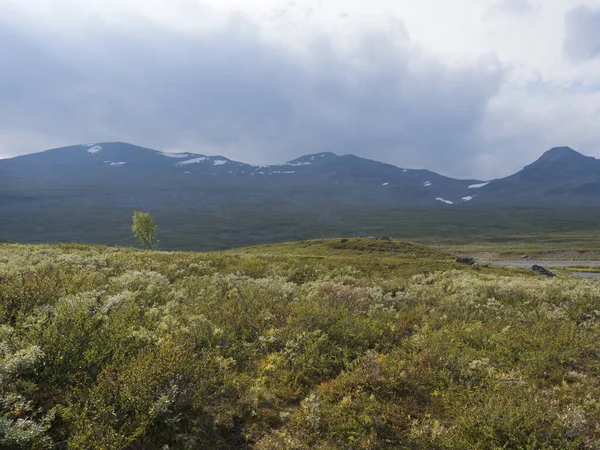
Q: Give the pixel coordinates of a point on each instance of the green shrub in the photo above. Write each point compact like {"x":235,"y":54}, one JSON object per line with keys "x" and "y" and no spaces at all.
{"x":326,"y":345}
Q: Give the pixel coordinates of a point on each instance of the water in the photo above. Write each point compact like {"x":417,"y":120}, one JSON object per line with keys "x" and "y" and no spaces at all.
{"x":528,"y":263}
{"x":587,"y":274}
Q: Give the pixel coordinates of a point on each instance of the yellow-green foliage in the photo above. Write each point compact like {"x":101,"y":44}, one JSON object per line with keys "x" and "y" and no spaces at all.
{"x":358,"y":344}
{"x":144,"y":229}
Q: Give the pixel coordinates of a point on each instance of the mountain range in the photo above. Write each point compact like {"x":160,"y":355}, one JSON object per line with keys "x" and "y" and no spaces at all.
{"x":60,"y":193}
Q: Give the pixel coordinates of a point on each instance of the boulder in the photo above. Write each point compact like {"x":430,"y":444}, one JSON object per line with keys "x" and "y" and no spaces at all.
{"x":462,"y":260}
{"x":543,"y":271}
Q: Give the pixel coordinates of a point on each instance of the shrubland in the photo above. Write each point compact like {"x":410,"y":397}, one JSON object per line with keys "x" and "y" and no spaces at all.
{"x":353,"y":343}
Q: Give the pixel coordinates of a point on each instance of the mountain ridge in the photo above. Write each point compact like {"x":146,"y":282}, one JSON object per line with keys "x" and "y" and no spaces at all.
{"x":86,"y":193}
{"x":181,"y":155}
{"x":88,"y":163}
{"x":557,"y":173}
{"x":555,"y":154}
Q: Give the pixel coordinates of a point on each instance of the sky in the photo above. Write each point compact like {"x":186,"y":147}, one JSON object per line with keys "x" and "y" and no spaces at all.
{"x":467,"y":88}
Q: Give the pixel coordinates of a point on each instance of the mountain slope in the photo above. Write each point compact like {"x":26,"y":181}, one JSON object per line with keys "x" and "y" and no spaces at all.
{"x":561,"y":176}
{"x":119,"y":167}
{"x":118,"y":170}
{"x":88,"y":193}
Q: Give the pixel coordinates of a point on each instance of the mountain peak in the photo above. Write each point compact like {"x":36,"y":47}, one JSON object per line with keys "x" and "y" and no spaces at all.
{"x":560,"y":153}
{"x":560,"y":163}
{"x":306,"y":159}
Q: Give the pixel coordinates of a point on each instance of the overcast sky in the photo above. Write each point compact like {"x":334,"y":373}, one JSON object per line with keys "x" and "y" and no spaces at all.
{"x":467,"y":88}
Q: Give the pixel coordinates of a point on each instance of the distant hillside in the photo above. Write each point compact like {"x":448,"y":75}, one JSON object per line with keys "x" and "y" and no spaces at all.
{"x":121,"y":168}
{"x":88,"y":192}
{"x":560,"y":176}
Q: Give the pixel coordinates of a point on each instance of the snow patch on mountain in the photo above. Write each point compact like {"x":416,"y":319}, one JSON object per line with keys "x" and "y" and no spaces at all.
{"x":468,"y":198}
{"x":111,"y":163}
{"x":448,"y":202}
{"x":219,"y":162}
{"x":385,"y":184}
{"x":94,"y":149}
{"x":193,"y":161}
{"x":298,"y":164}
{"x":427,"y":184}
{"x":174,"y":155}
{"x":477,"y":186}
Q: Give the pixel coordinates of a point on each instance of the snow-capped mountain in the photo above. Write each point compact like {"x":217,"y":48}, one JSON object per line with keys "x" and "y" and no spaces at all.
{"x":87,"y":192}
{"x":560,"y":175}
{"x":345,"y":179}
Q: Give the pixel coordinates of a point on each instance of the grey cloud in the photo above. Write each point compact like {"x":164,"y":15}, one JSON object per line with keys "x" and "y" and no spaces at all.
{"x":521,"y":7}
{"x":582,"y":34}
{"x":231,"y":91}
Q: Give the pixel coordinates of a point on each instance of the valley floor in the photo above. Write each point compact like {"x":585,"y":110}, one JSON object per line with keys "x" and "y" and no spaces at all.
{"x":325,"y":344}
{"x":509,"y":233}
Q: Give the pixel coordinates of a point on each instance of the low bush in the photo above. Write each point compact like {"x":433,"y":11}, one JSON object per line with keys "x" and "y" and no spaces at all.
{"x":326,"y":345}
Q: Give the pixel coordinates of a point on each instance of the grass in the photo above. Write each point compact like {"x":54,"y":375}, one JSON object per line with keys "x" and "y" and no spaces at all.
{"x":509,"y":232}
{"x":584,"y":245}
{"x":331,"y":343}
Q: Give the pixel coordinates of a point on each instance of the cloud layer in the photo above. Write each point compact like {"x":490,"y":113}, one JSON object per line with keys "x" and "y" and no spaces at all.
{"x":230,"y":89}
{"x":582,"y":38}
{"x":513,"y":6}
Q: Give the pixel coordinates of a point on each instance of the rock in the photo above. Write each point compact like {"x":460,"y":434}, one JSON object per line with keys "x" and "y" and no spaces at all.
{"x":525,"y":256}
{"x":543,"y":271}
{"x":469,"y":261}
{"x":343,"y":241}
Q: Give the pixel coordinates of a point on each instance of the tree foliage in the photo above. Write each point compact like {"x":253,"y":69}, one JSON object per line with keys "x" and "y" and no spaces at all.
{"x":144,"y":229}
